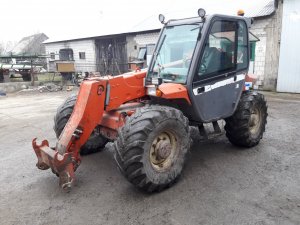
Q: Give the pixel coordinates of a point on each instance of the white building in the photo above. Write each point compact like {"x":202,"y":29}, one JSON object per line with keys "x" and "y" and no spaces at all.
{"x":273,"y":57}
{"x":105,"y":54}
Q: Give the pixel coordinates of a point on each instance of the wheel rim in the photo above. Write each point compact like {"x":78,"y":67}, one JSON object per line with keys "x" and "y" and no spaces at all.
{"x":164,"y":151}
{"x":255,"y":121}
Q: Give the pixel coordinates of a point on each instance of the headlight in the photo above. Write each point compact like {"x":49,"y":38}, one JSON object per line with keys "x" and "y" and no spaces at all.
{"x":154,"y":91}
{"x":151,"y":90}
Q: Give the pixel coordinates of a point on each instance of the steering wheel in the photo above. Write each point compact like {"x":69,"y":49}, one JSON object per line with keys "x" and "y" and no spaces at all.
{"x":187,"y":62}
{"x":202,"y":68}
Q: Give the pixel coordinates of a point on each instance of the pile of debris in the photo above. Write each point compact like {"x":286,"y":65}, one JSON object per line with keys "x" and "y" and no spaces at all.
{"x":47,"y":87}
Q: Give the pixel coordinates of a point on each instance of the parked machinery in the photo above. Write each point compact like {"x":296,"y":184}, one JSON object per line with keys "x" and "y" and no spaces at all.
{"x":197,"y":75}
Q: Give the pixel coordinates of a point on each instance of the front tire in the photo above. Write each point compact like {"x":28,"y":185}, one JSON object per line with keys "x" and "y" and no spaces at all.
{"x":95,"y":143}
{"x":246,"y":126}
{"x":151,"y":147}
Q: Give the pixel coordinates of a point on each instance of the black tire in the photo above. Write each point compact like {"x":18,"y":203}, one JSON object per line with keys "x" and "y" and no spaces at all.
{"x":246,"y":126}
{"x":95,"y":143}
{"x":147,"y":128}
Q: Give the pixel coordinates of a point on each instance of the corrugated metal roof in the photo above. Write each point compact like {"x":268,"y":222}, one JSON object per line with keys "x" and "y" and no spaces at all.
{"x":100,"y":35}
{"x":22,"y":45}
{"x":267,"y":10}
{"x":30,"y":44}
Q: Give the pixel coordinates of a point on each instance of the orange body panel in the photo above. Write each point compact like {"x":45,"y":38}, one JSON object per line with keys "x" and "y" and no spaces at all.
{"x":174,"y":91}
{"x":91,"y":106}
{"x":87,"y":112}
{"x":125,"y":88}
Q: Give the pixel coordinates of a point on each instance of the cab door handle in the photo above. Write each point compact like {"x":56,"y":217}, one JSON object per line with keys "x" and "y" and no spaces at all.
{"x":200,"y":90}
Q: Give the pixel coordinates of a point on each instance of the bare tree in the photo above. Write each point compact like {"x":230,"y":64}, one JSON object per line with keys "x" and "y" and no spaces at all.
{"x":9,"y":46}
{"x":1,"y":48}
{"x":6,"y":47}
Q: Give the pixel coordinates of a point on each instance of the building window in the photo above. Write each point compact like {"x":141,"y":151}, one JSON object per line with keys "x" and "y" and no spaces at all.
{"x":252,"y":51}
{"x":52,"y":55}
{"x":81,"y":55}
{"x":142,"y":53}
{"x":66,"y":54}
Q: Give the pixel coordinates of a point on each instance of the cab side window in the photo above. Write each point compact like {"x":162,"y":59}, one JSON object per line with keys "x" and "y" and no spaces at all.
{"x":242,"y":48}
{"x":220,"y":50}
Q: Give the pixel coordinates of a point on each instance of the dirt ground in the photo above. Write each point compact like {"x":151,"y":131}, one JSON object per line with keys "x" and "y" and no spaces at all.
{"x":221,"y":184}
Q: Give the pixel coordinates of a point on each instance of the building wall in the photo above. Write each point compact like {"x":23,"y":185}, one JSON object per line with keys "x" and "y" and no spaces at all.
{"x":88,"y":46}
{"x":112,"y":55}
{"x":135,"y":41}
{"x":268,"y":30}
{"x":132,"y":47}
{"x":260,"y":50}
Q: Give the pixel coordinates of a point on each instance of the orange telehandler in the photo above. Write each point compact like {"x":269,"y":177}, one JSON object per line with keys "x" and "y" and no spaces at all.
{"x":197,"y":75}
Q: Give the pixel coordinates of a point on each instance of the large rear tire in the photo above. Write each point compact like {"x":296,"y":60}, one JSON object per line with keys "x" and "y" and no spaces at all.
{"x":95,"y":143}
{"x":151,"y":147}
{"x":246,"y":126}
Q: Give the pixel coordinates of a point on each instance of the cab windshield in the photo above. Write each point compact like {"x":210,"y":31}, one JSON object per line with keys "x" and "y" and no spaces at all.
{"x":174,"y":51}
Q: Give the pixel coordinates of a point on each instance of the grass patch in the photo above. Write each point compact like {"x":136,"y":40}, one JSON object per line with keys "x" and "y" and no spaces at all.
{"x":49,"y":77}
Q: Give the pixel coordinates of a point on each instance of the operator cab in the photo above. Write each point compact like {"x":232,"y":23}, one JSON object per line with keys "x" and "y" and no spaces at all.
{"x":209,"y":55}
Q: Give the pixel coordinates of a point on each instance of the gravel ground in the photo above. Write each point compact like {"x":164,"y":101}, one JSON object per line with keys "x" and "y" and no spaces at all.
{"x":221,"y":184}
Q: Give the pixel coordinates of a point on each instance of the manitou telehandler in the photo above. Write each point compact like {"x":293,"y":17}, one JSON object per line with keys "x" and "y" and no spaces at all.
{"x":197,"y":75}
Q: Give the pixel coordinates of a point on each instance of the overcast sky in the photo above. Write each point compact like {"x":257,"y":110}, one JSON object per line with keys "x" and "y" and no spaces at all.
{"x":63,"y":19}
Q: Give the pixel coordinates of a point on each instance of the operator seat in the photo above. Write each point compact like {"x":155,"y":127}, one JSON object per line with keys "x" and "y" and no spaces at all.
{"x":213,"y":60}
{"x":216,"y":60}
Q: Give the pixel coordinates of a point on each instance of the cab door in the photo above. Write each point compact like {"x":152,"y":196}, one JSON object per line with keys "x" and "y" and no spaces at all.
{"x":219,"y":73}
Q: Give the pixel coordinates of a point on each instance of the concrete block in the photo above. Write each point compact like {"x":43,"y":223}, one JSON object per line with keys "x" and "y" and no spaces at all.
{"x":24,"y":86}
{"x":13,"y":86}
